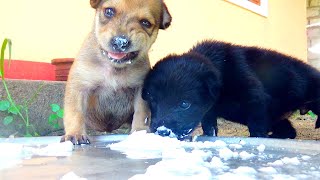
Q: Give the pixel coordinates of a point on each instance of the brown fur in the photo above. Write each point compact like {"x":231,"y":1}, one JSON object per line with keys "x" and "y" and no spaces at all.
{"x":102,"y":94}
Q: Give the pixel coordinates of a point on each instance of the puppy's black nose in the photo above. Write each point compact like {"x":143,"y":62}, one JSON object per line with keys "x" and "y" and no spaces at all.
{"x":164,"y":132}
{"x":120,"y":43}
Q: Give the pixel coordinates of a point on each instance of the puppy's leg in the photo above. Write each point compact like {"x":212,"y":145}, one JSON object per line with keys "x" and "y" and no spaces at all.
{"x":255,"y":104}
{"x":314,"y":105}
{"x":254,"y":99}
{"x":315,"y":108}
{"x":303,"y":110}
{"x":283,"y":129}
{"x":209,"y":124}
{"x":73,"y":120}
{"x":141,"y":112}
{"x":258,"y":126}
{"x":258,"y":120}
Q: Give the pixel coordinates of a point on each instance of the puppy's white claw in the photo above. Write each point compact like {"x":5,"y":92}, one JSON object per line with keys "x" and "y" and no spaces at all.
{"x":146,"y":120}
{"x":214,"y":133}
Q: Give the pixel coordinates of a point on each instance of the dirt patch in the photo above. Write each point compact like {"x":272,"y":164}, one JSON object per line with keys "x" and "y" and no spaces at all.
{"x":305,"y":129}
{"x":304,"y":125}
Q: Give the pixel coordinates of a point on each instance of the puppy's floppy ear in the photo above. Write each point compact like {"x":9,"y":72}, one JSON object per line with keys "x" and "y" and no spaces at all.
{"x":165,"y":17}
{"x":95,"y":3}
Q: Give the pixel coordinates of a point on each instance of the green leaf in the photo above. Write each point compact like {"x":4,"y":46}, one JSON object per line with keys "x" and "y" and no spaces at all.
{"x":28,"y":135}
{"x":14,"y":110}
{"x":60,"y":113}
{"x":3,"y":48}
{"x":52,"y":118}
{"x":313,"y":116}
{"x":56,"y":126}
{"x":21,"y":108}
{"x":36,"y":134}
{"x":10,"y":49}
{"x":7,"y":120}
{"x":55,"y":107}
{"x":4,"y":105}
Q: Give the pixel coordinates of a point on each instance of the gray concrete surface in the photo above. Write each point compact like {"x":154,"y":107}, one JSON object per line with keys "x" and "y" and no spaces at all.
{"x":97,"y":161}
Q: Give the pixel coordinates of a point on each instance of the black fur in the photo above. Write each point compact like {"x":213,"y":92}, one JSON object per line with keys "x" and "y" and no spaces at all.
{"x":248,"y":85}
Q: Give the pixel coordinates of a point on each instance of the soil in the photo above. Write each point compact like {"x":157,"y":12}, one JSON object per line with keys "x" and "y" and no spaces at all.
{"x":304,"y":125}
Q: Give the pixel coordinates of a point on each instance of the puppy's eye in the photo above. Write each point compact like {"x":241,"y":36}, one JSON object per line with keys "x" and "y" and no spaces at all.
{"x":145,"y":23}
{"x":147,"y":96}
{"x":184,"y":105}
{"x":109,"y":12}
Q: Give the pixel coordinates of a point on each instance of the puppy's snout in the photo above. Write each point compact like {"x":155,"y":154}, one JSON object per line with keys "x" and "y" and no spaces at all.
{"x":163,"y":132}
{"x":120,"y":43}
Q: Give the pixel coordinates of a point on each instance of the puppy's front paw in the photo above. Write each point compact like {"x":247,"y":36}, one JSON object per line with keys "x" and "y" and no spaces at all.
{"x":259,"y":134}
{"x":76,"y":139}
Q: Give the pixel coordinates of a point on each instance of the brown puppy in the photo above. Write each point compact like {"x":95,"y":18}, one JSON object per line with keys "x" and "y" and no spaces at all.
{"x":104,"y":84}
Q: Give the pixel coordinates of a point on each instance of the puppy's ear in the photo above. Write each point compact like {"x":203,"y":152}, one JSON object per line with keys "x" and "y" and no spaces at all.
{"x":165,"y":17}
{"x":95,"y":3}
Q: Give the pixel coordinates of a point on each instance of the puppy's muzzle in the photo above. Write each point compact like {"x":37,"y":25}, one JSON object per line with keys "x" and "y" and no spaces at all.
{"x":120,"y":43}
{"x":163,"y":132}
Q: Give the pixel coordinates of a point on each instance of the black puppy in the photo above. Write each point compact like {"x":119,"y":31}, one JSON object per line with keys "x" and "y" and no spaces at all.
{"x":248,"y":85}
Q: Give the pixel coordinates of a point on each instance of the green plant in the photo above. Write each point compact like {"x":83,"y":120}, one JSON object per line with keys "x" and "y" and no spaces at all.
{"x":57,"y":113}
{"x":9,"y":105}
{"x":313,"y":115}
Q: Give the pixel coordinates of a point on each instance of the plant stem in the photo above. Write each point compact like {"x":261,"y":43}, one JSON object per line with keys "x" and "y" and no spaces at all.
{"x":35,"y":95}
{"x":11,"y":101}
{"x":9,"y":97}
{"x":27,"y":121}
{"x":3,"y":47}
